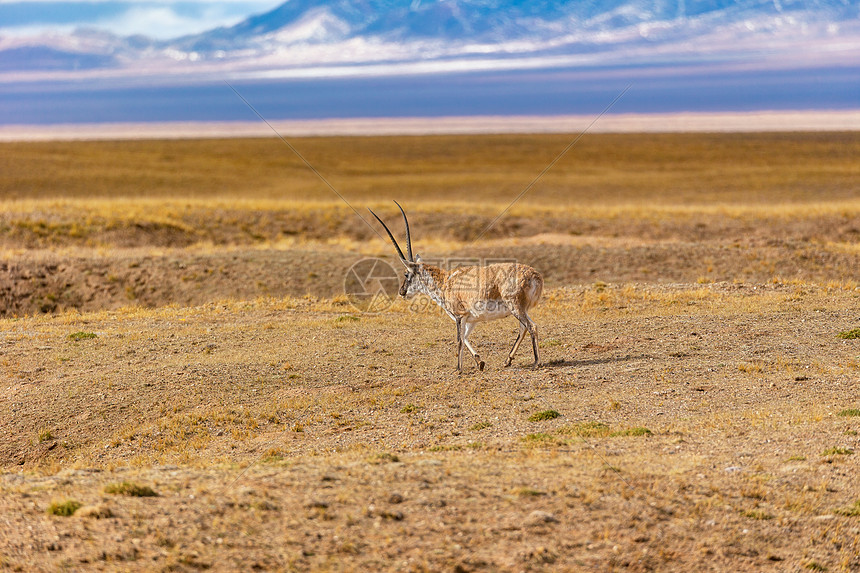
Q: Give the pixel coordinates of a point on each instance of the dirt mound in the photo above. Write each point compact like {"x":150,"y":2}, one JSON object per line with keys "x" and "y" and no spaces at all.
{"x":51,"y":283}
{"x":48,"y":282}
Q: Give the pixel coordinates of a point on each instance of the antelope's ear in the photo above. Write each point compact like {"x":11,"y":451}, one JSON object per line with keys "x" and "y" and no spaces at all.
{"x":409,"y":265}
{"x":418,"y":258}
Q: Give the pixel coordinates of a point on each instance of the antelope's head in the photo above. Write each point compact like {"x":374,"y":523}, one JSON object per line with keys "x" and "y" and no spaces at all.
{"x":411,"y":284}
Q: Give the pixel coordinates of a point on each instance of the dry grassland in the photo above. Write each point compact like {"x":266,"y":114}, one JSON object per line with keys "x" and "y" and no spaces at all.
{"x":185,"y":386}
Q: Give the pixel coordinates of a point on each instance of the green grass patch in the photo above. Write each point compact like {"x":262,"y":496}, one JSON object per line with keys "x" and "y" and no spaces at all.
{"x":815,"y":566}
{"x":480,"y":426}
{"x":64,"y":508}
{"x":837,"y":452}
{"x":457,"y":447}
{"x":539,"y":437}
{"x":638,"y":431}
{"x":850,"y":511}
{"x":586,"y":430}
{"x":542,"y":439}
{"x":409,"y":409}
{"x":130,"y":489}
{"x":757,"y":514}
{"x":850,"y":413}
{"x":45,"y":435}
{"x":347,"y":318}
{"x":81,"y":335}
{"x":544,"y":415}
{"x":850,"y":334}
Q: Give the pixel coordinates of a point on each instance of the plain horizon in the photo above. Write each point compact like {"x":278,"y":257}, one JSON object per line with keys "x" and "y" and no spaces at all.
{"x":401,"y":60}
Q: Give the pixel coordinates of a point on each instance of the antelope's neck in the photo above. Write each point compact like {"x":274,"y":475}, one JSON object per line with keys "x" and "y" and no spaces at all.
{"x":432,"y":283}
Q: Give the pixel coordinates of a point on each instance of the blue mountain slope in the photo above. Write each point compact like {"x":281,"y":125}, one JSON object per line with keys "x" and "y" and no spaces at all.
{"x":667,"y":29}
{"x":473,"y":19}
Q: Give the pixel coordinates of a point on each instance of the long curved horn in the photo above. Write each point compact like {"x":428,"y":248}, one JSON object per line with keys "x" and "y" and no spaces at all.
{"x":390,"y":236}
{"x":408,"y":236}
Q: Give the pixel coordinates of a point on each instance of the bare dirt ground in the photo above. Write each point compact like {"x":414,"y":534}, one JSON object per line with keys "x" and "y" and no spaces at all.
{"x":705,"y":427}
{"x":190,"y":383}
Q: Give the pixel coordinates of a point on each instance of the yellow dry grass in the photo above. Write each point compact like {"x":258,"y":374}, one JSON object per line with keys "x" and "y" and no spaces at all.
{"x":698,"y":422}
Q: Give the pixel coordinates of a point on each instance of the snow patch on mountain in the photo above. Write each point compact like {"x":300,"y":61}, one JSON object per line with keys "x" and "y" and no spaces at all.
{"x":408,"y":36}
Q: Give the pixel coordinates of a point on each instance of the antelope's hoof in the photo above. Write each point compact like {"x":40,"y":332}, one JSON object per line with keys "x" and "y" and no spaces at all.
{"x":507,"y":362}
{"x":481,"y":365}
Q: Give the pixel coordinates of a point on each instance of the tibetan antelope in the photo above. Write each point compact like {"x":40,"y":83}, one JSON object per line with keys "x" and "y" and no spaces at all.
{"x":470,"y":295}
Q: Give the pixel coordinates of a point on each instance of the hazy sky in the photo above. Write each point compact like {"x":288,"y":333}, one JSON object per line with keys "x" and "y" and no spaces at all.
{"x":153,"y":18}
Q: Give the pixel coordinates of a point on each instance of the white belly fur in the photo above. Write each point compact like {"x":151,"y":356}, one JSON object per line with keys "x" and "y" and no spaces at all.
{"x":488,"y":310}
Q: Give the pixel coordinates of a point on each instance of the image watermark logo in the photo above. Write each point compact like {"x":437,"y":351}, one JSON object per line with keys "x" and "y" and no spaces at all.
{"x":371,"y":285}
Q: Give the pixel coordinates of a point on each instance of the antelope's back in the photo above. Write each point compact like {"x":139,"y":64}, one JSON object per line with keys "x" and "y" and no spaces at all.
{"x":499,"y":281}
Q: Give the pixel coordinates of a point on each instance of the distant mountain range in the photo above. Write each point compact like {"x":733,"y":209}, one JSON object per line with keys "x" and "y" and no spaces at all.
{"x":319,"y":38}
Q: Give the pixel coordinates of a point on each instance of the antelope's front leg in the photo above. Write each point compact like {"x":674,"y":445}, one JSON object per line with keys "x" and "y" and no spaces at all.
{"x":459,"y":345}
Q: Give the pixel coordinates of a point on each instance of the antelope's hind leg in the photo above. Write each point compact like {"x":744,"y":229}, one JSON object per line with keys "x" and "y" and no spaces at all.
{"x":535,"y":345}
{"x":526,"y":324}
{"x":519,"y":339}
{"x":467,"y":329}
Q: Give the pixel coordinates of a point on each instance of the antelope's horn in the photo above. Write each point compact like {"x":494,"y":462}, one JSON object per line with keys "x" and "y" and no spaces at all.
{"x":390,"y":236}
{"x":408,"y":236}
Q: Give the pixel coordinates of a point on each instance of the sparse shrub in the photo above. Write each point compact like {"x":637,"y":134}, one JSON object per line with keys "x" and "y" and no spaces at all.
{"x":65,"y":508}
{"x":130,"y":489}
{"x":480,"y":426}
{"x":815,"y":566}
{"x":76,"y":336}
{"x":528,"y":492}
{"x":347,"y":318}
{"x":408,"y":409}
{"x":550,"y":342}
{"x":446,"y":448}
{"x":837,"y":452}
{"x":384,"y":458}
{"x":751,"y":367}
{"x":95,"y":512}
{"x":851,"y":412}
{"x":544,"y":415}
{"x":850,"y":334}
{"x":273,"y":456}
{"x":45,"y":435}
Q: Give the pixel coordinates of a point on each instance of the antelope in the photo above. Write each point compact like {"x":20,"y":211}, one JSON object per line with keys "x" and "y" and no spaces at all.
{"x":473,"y":294}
